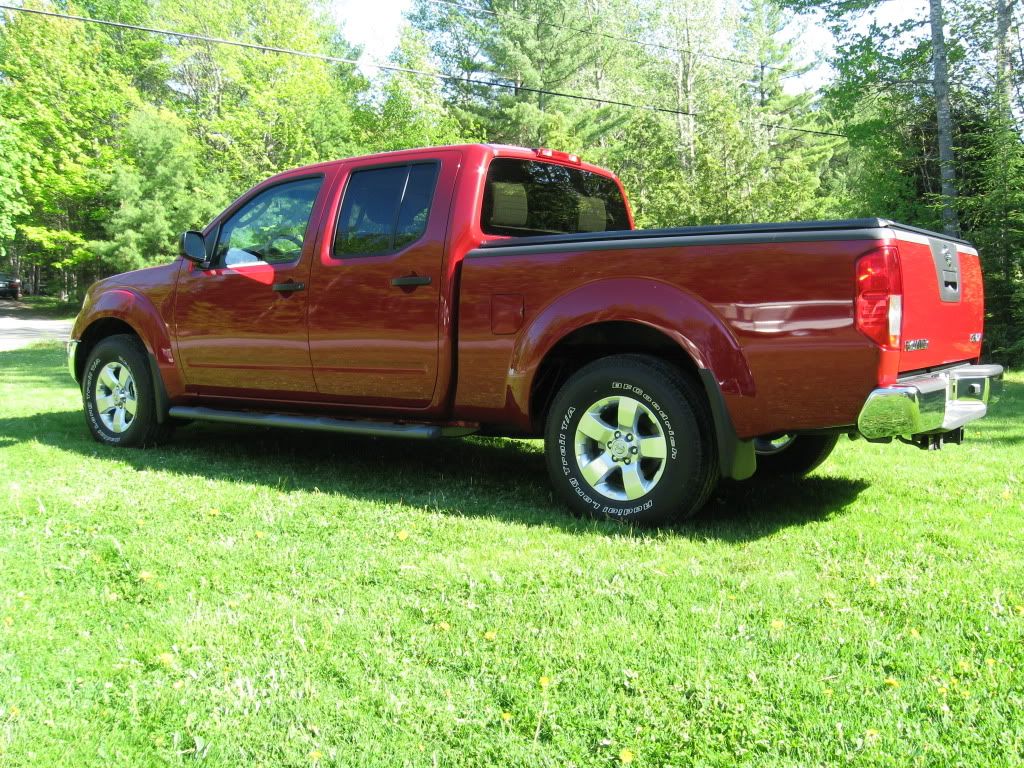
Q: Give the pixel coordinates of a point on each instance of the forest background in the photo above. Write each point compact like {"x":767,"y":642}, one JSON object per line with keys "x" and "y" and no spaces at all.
{"x":114,"y":140}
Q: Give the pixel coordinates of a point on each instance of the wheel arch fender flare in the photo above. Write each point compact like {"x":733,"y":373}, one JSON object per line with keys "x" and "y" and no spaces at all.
{"x":134,"y":310}
{"x":675,"y":313}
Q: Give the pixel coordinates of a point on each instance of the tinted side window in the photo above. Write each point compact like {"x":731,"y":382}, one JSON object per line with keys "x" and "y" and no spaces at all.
{"x":269,"y":228}
{"x":419,"y":192}
{"x":528,"y":197}
{"x":385,"y":209}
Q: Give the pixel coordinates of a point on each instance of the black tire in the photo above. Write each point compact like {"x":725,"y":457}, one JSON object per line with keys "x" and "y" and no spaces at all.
{"x":122,"y":352}
{"x":679,"y":484}
{"x":802,"y":454}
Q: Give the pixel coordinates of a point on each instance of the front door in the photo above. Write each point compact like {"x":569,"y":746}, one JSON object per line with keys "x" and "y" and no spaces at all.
{"x":376,"y":301}
{"x":241,"y":325}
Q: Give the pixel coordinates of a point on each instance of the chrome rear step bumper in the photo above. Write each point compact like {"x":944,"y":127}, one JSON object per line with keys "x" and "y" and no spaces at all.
{"x":931,"y":403}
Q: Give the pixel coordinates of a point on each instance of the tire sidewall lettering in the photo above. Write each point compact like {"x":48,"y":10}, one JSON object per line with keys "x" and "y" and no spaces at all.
{"x":89,"y":397}
{"x":566,"y":454}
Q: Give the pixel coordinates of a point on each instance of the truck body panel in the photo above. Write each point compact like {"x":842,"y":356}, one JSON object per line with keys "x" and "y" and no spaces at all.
{"x":436,"y":286}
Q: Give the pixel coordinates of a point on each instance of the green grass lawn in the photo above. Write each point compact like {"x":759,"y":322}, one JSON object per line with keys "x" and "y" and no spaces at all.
{"x":246,"y":597}
{"x":49,"y":307}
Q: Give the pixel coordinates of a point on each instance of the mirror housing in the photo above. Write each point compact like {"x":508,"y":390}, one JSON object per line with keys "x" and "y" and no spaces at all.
{"x":192,"y":246}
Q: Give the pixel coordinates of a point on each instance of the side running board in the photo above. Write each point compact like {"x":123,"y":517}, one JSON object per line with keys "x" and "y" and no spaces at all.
{"x":317,"y":423}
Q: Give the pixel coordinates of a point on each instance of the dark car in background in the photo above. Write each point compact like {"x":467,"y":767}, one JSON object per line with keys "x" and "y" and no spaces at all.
{"x":10,"y":287}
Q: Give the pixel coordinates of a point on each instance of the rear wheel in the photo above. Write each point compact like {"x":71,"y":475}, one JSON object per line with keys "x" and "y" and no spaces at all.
{"x":629,"y":438}
{"x":117,"y":392}
{"x":794,"y":455}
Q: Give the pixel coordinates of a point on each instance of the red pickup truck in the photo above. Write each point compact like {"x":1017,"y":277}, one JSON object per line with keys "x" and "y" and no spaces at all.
{"x":503,"y":291}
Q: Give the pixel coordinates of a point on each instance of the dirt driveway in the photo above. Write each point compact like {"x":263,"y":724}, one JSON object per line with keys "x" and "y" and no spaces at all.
{"x":20,"y":326}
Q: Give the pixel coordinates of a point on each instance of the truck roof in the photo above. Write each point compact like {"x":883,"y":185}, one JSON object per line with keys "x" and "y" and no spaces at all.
{"x":480,"y":149}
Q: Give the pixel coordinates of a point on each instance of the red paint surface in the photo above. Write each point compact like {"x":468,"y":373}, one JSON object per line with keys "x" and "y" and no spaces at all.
{"x":773,"y":322}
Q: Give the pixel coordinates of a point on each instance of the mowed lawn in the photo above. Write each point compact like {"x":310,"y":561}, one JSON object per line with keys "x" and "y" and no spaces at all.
{"x":247,"y":597}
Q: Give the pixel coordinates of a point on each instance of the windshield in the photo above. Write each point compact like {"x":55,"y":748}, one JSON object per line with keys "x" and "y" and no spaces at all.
{"x":528,"y":197}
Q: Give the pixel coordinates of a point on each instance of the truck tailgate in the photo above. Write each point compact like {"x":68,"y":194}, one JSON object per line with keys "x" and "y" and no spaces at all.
{"x":943,"y":301}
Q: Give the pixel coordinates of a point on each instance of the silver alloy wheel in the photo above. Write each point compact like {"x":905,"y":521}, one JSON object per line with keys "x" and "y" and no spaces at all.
{"x":116,"y":398}
{"x":767,"y":446}
{"x":621,"y":448}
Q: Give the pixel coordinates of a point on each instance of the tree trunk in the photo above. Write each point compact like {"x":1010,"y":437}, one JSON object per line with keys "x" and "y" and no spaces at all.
{"x":1004,"y":18}
{"x":940,"y":84}
{"x":1006,"y":126}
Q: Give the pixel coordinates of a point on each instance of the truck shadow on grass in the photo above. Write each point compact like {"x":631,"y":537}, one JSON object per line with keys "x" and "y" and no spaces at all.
{"x":481,"y":477}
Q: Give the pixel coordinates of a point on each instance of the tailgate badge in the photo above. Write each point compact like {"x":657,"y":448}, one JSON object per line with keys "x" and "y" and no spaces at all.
{"x":914,"y":345}
{"x":947,"y":254}
{"x":975,"y":338}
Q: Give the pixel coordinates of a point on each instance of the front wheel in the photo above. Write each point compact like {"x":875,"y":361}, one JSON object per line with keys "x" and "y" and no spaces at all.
{"x":793,"y":455}
{"x":630,"y":438}
{"x":117,"y":392}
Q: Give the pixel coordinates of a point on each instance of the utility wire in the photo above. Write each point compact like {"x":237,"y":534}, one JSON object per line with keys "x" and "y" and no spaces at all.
{"x":390,"y":67}
{"x":607,"y":35}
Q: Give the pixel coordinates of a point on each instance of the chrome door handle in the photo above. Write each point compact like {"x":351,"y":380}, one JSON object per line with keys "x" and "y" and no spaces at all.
{"x":288,"y":287}
{"x":410,"y":281}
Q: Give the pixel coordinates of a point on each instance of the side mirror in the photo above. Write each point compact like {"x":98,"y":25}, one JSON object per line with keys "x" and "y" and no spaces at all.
{"x":193,"y":246}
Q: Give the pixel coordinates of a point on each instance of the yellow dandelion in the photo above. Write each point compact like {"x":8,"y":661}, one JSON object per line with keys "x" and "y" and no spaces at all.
{"x":892,"y":682}
{"x":260,"y":535}
{"x":964,"y":665}
{"x":914,"y":633}
{"x":544,"y":681}
{"x":990,"y":663}
{"x":166,"y":659}
{"x":778,"y":624}
{"x":1019,"y":609}
{"x":8,"y":621}
{"x":1006,"y":494}
{"x":626,"y":756}
{"x":828,"y":693}
{"x":870,"y":735}
{"x":490,"y":634}
{"x":506,"y":716}
{"x":145,"y":576}
{"x":316,"y":755}
{"x":178,"y":685}
{"x":213,"y":512}
{"x":444,"y":626}
{"x":402,"y":535}
{"x":943,"y":690}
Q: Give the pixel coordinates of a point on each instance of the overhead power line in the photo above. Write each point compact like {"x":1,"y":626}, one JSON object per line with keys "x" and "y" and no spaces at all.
{"x":608,"y":35}
{"x":390,"y":67}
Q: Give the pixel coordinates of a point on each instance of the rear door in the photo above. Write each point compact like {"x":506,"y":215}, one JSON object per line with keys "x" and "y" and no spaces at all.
{"x":943,"y":301}
{"x":241,"y":325}
{"x":375,"y":307}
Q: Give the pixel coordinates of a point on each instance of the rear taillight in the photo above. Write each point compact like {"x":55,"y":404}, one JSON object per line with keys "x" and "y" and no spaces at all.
{"x":879,"y":306}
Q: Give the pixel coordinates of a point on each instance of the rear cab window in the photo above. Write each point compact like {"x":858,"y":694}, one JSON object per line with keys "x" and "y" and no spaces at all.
{"x":532,"y":197}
